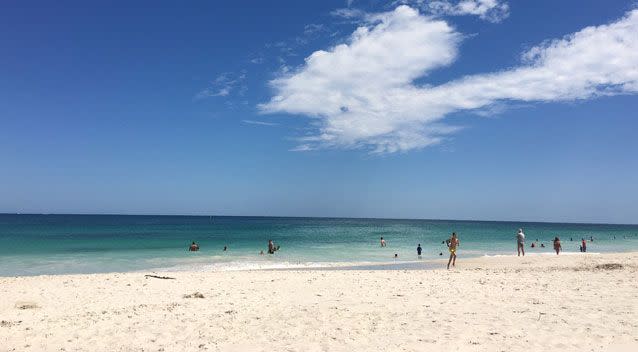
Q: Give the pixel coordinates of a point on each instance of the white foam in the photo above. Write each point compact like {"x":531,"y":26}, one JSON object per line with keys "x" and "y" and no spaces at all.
{"x":545,"y":254}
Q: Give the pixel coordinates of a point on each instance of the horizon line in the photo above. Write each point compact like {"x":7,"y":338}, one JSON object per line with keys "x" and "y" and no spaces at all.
{"x":322,"y":217}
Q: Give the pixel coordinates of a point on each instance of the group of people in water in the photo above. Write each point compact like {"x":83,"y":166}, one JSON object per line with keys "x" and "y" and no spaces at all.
{"x":558,"y":247}
{"x":452,"y":244}
{"x":272,"y":247}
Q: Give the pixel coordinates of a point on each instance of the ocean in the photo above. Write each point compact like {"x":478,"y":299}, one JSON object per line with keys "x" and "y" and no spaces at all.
{"x":64,"y":244}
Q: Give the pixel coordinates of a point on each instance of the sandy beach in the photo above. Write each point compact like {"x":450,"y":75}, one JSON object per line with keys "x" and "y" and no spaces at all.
{"x":537,"y":303}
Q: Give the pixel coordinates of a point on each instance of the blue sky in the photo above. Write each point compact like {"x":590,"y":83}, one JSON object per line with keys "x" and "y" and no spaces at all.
{"x":478,"y":109}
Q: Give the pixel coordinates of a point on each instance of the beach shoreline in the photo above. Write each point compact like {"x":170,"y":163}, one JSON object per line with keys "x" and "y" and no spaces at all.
{"x":508,"y":303}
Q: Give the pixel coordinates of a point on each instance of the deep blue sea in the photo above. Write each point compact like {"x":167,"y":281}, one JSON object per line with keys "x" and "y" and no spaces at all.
{"x":61,"y":244}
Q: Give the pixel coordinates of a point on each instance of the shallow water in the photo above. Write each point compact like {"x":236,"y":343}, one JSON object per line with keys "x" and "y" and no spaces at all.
{"x":58,"y":244}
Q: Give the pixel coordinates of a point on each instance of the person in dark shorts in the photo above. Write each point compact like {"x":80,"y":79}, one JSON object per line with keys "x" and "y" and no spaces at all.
{"x":418,"y":250}
{"x":557,"y":246}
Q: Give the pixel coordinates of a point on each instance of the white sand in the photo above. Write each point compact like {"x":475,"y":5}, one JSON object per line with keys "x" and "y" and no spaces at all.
{"x":541,"y":303}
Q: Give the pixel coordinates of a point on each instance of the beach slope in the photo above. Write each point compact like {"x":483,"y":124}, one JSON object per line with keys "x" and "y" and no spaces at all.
{"x":583,"y":302}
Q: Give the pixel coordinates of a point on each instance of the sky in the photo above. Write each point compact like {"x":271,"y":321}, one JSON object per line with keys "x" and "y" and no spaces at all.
{"x":459,"y":109}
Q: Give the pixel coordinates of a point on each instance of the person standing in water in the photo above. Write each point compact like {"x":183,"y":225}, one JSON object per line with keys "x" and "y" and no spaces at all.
{"x":418,"y":250}
{"x":557,"y":246}
{"x":583,"y":245}
{"x":271,"y":247}
{"x":520,"y":240}
{"x":194,"y":247}
{"x":382,"y":242}
{"x":452,"y":244}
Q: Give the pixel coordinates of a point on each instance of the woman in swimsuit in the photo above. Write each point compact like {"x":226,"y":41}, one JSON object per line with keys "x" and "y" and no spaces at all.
{"x":453,"y":242}
{"x":557,"y":246}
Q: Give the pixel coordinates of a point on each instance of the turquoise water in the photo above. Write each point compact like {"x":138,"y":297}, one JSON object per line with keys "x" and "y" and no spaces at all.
{"x":57,"y":244}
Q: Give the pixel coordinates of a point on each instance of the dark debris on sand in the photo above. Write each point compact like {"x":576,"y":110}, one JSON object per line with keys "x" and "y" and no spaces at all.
{"x":609,"y":266}
{"x":194,"y":295}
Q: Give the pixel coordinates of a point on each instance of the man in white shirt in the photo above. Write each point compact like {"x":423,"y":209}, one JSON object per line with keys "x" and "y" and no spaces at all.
{"x":520,"y":239}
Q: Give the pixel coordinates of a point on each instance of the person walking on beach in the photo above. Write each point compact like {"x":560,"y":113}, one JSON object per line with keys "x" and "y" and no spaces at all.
{"x":418,"y":251}
{"x":520,"y":240}
{"x":557,"y":246}
{"x":382,"y":242}
{"x":583,"y":245}
{"x":452,"y":243}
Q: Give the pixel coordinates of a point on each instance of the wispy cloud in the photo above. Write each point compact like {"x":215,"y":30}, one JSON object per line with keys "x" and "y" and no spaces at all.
{"x":224,"y":84}
{"x":260,"y":123}
{"x":349,"y":13}
{"x":361,"y":93}
{"x":489,"y":10}
{"x":313,"y":28}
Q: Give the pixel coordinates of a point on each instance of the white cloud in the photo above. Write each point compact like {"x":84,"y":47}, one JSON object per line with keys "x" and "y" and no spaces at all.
{"x":361,"y":94}
{"x":489,"y":10}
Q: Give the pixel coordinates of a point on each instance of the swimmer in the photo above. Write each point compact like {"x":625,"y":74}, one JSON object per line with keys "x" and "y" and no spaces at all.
{"x":194,"y":247}
{"x":418,"y":251}
{"x":382,"y":242}
{"x":271,"y":247}
{"x":225,"y":248}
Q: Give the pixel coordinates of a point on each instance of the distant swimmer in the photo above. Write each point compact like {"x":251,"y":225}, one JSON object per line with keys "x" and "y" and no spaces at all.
{"x":261,"y":252}
{"x":542,"y":245}
{"x":271,"y":247}
{"x":591,"y":238}
{"x":520,"y":242}
{"x":194,"y":247}
{"x":396,"y":256}
{"x":533,"y":245}
{"x":418,"y":250}
{"x":557,"y":246}
{"x":382,"y":242}
{"x":225,"y":248}
{"x":452,"y":244}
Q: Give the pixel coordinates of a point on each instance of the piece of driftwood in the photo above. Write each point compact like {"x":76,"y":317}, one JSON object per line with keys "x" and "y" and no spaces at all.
{"x":160,"y":277}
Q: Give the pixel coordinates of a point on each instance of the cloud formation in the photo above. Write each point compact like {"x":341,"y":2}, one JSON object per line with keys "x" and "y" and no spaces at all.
{"x":361,"y":93}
